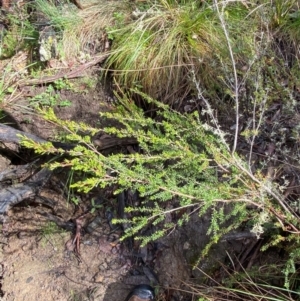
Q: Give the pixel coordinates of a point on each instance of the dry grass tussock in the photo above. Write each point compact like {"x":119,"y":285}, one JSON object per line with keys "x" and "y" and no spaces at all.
{"x":156,"y":45}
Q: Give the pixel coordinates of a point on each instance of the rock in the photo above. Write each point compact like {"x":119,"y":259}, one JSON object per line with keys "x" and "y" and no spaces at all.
{"x":98,"y":277}
{"x":171,"y":265}
{"x":4,"y":163}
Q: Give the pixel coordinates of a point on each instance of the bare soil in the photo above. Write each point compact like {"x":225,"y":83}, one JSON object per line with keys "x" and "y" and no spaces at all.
{"x":37,"y":264}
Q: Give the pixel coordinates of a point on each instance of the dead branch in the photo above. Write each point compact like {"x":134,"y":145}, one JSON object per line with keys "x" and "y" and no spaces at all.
{"x":11,"y":135}
{"x":17,"y":193}
{"x":69,"y":73}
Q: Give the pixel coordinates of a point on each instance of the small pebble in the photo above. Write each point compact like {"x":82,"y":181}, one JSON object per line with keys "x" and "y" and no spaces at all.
{"x":88,"y":243}
{"x":103,"y":266}
{"x":98,"y":278}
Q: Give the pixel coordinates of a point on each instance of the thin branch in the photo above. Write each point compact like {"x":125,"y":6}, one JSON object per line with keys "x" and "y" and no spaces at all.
{"x":236,"y":84}
{"x":75,"y":72}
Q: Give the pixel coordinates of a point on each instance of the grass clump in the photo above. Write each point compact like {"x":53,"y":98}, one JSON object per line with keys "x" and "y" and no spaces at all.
{"x":160,"y":46}
{"x":21,"y":35}
{"x":257,"y":283}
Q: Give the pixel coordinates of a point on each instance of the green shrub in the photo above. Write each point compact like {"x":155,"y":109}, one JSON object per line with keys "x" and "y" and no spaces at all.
{"x":183,"y":161}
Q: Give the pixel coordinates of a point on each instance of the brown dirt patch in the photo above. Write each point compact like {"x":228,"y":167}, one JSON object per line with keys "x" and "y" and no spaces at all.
{"x":84,"y":107}
{"x":38,"y":267}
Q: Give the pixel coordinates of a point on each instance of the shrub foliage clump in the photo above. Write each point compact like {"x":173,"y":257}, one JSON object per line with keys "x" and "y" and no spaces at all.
{"x":182,"y":160}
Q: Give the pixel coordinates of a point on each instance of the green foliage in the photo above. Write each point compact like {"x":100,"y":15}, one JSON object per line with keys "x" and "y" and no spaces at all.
{"x":49,"y":98}
{"x":62,"y":84}
{"x":95,"y":206}
{"x":21,"y":35}
{"x":183,"y":161}
{"x":48,"y":231}
{"x":61,"y":17}
{"x":177,"y":161}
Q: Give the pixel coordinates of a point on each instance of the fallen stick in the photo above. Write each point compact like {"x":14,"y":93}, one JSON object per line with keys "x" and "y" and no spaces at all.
{"x":11,"y":135}
{"x":69,"y":74}
{"x":15,"y":194}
